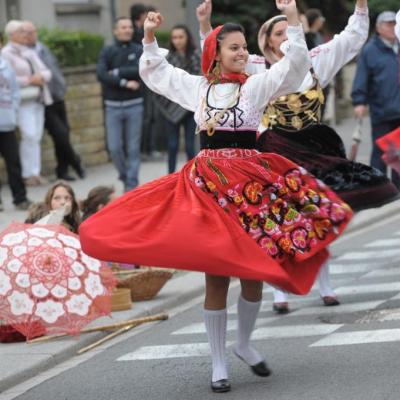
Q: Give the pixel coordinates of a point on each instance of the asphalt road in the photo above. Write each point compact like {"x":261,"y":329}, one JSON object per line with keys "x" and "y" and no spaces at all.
{"x":350,"y":352}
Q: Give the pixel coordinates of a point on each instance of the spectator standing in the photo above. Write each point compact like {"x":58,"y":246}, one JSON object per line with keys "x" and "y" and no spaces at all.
{"x":138,"y":15}
{"x":182,"y":54}
{"x":32,"y":76}
{"x":9,"y":102}
{"x":56,"y":120}
{"x":377,"y":85}
{"x":315,"y":21}
{"x":118,"y":72}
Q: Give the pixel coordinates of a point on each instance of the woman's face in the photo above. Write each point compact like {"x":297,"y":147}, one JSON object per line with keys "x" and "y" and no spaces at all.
{"x":233,"y":54}
{"x":277,"y":37}
{"x":61,"y":198}
{"x":179,"y":39}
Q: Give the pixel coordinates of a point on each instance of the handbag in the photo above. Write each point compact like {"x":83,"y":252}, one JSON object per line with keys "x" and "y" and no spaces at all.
{"x":30,"y":93}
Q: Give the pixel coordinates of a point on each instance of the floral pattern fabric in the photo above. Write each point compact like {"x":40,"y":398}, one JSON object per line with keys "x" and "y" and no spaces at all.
{"x":284,"y":209}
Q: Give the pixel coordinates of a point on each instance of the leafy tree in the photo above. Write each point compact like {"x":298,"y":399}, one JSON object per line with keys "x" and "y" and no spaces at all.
{"x":252,"y":16}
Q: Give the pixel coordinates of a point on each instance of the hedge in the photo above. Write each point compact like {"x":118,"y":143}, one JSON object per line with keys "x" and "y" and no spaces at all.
{"x":72,"y":48}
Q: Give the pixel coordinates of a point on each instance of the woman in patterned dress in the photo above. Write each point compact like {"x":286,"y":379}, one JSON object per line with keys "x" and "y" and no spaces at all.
{"x":231,"y":211}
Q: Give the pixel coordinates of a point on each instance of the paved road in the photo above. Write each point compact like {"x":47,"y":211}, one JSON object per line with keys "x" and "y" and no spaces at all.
{"x":316,"y":352}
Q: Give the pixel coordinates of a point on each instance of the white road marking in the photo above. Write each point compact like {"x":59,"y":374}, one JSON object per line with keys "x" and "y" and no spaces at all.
{"x":199,"y":327}
{"x":359,"y":337}
{"x":294,"y":331}
{"x":383,"y":273}
{"x":367,"y":255}
{"x":373,"y":288}
{"x":169,"y":351}
{"x":337,"y":269}
{"x":384,"y":243}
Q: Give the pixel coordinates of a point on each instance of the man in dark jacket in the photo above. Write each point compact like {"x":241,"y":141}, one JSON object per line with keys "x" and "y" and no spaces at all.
{"x":56,"y":120}
{"x":377,"y":84}
{"x":118,"y":72}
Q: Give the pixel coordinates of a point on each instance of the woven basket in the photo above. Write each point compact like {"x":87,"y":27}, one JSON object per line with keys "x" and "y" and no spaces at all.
{"x":143,"y":283}
{"x":121,"y":299}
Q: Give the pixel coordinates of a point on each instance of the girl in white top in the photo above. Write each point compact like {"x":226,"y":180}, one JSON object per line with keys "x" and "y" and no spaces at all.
{"x":231,"y":211}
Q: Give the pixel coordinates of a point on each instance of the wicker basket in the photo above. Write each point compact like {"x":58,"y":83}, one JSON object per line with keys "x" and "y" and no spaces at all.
{"x":121,"y":299}
{"x":143,"y":283}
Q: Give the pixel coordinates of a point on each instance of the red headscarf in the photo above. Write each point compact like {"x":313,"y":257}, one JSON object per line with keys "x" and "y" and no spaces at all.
{"x":208,"y":59}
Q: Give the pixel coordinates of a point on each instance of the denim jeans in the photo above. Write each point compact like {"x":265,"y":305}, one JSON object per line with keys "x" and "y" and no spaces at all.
{"x":124,"y":128}
{"x":379,"y":130}
{"x":173,"y":133}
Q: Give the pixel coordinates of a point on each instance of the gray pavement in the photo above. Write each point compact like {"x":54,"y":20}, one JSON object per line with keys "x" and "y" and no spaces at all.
{"x":21,"y":361}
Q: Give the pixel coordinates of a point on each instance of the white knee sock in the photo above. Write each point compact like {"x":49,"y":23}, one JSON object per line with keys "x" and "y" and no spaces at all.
{"x":247,"y":315}
{"x":324,"y":282}
{"x":216,"y":321}
{"x":279,"y":296}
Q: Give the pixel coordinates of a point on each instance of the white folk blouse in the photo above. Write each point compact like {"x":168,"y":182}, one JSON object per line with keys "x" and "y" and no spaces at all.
{"x":244,"y":112}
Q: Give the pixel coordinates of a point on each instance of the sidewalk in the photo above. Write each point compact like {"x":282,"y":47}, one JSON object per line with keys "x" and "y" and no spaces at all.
{"x":20,"y":361}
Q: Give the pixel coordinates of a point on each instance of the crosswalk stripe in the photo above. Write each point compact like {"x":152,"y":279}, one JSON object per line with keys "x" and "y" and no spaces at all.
{"x":199,"y":327}
{"x":337,"y":269}
{"x":380,"y":273}
{"x":375,"y":288}
{"x":294,"y":331}
{"x":342,"y":309}
{"x":370,"y":254}
{"x":359,"y":337}
{"x":168,"y":351}
{"x":384,"y":243}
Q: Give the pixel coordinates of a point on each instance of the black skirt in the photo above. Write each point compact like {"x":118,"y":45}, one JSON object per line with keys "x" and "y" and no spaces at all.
{"x":320,"y":150}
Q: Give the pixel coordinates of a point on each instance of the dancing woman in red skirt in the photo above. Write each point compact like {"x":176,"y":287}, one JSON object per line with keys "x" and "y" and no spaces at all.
{"x":231,"y":211}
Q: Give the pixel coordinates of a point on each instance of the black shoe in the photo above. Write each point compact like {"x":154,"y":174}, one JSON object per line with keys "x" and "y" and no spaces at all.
{"x":80,"y":170}
{"x":1,"y":206}
{"x":261,"y":369}
{"x":281,"y":308}
{"x":221,"y":386}
{"x":66,"y":177}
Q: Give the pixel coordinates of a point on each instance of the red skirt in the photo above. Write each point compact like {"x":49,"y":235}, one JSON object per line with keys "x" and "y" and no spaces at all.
{"x":229,"y":212}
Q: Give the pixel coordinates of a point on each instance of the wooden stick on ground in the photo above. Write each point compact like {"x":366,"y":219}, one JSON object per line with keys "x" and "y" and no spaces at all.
{"x":108,"y":337}
{"x":151,"y":318}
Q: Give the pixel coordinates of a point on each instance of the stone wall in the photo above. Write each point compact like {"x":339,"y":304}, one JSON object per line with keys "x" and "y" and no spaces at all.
{"x":85,"y":114}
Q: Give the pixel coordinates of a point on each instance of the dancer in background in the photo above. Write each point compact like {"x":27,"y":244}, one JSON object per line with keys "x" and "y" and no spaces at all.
{"x":291,"y":126}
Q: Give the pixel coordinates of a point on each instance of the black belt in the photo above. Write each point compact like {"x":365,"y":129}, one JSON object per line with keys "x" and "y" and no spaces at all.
{"x":228,"y":139}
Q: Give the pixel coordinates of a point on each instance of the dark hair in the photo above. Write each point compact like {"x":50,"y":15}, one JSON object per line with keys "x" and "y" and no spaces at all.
{"x":190,"y":45}
{"x":312,"y":14}
{"x":229,"y":27}
{"x":137,"y":10}
{"x":1,"y":38}
{"x":73,"y":219}
{"x":99,"y":195}
{"x":120,"y":19}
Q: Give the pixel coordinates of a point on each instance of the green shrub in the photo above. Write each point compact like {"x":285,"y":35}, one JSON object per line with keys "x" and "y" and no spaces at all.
{"x":72,"y":48}
{"x":162,"y":38}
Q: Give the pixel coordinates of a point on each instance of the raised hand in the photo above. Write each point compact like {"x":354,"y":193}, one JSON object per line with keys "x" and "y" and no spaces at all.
{"x":286,"y":5}
{"x":204,"y":11}
{"x":153,"y":21}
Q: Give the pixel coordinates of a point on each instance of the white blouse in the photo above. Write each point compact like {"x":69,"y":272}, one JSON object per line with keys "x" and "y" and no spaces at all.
{"x":196,"y":94}
{"x":328,"y":58}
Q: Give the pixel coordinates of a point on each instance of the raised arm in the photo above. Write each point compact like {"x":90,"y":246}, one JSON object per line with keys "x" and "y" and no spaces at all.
{"x":397,"y":27}
{"x":160,"y":76}
{"x":287,"y":74}
{"x":327,"y":59}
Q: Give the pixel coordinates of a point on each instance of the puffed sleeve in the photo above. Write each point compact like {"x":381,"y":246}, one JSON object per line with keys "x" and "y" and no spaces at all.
{"x":286,"y":75}
{"x":163,"y":78}
{"x":328,"y":58}
{"x":397,"y":27}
